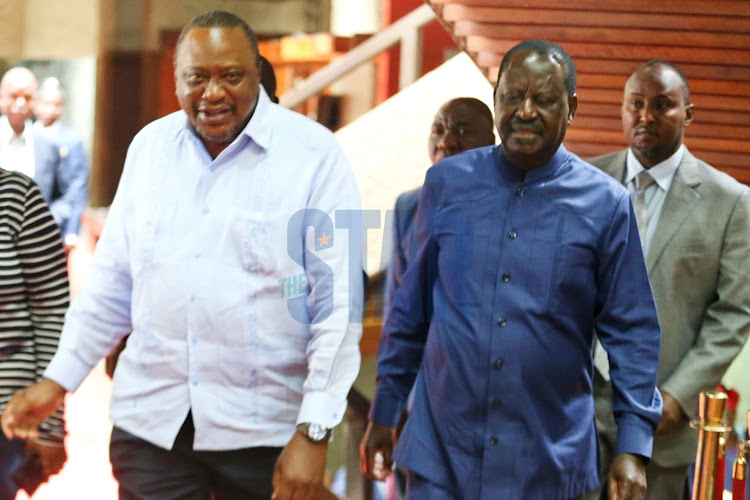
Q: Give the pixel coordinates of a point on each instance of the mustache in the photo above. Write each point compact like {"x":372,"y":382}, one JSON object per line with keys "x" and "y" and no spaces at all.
{"x":532,"y":125}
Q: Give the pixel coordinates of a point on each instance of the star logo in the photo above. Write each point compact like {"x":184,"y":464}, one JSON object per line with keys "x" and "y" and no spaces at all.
{"x":323,"y":240}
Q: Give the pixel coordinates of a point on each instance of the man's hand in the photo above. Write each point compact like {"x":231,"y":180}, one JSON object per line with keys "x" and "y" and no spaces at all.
{"x":376,"y":451}
{"x":672,"y":415}
{"x":53,"y":457}
{"x":627,"y":478}
{"x":299,"y":471}
{"x":30,"y":407}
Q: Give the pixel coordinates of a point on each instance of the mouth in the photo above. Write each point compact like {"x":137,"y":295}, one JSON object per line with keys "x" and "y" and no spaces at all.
{"x":213,"y":116}
{"x":642,"y":132}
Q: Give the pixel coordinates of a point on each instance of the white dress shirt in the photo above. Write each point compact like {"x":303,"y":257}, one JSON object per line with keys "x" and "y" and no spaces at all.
{"x":663,"y":173}
{"x":194,"y":256}
{"x":17,"y":150}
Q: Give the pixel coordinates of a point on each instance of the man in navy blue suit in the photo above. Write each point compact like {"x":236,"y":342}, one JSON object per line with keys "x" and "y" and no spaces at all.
{"x":25,"y":150}
{"x":49,"y":106}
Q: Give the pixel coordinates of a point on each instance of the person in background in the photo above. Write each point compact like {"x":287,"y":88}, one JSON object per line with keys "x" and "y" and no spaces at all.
{"x":49,"y":105}
{"x":268,"y":79}
{"x":227,"y":388}
{"x":33,"y":301}
{"x":27,"y":150}
{"x":522,"y":251}
{"x":694,"y":223}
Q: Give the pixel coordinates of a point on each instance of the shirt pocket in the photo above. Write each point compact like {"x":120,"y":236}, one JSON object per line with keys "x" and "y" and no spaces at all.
{"x":461,"y":264}
{"x":574,"y":281}
{"x":255,"y":241}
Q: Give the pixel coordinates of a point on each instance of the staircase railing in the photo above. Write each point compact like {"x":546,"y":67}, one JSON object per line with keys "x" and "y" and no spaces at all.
{"x":407,"y":31}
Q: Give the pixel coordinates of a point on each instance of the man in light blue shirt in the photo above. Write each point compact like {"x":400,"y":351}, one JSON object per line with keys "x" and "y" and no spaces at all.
{"x":227,"y":253}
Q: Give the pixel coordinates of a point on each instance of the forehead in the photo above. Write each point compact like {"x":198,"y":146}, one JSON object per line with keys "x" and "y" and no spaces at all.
{"x":655,"y":80}
{"x":208,"y":46}
{"x":458,"y":112}
{"x":19,"y":82}
{"x":525,"y":67}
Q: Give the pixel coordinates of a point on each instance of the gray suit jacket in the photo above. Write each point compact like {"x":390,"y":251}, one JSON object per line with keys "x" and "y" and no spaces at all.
{"x":698,"y":263}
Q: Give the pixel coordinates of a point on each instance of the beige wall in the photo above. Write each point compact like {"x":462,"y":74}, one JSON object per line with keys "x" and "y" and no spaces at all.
{"x":48,"y":29}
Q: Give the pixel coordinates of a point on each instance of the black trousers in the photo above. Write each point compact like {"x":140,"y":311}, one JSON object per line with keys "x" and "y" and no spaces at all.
{"x":147,"y":472}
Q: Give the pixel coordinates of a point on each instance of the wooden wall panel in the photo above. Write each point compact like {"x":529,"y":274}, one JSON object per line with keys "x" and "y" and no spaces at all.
{"x":709,"y":41}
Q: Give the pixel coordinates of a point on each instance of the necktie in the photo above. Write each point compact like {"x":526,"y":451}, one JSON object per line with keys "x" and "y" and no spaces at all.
{"x":642,"y":182}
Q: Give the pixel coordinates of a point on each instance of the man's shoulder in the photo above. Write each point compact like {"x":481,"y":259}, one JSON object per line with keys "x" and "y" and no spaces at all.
{"x":713,"y":179}
{"x":603,"y":161}
{"x":298,"y":128}
{"x":596,"y":171}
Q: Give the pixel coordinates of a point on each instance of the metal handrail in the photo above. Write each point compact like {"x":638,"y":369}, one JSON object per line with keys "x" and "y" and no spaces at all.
{"x":405,"y":31}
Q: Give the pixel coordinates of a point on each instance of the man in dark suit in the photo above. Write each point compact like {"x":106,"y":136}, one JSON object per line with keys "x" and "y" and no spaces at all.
{"x":49,"y":106}
{"x":30,"y":152}
{"x":695,"y":230}
{"x":459,"y":125}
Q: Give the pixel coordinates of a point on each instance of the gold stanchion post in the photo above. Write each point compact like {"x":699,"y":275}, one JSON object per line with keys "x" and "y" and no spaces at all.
{"x":711,"y":427}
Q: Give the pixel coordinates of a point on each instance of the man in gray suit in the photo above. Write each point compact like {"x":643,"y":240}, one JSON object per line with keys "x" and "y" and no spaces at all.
{"x":30,"y":152}
{"x":694,"y":223}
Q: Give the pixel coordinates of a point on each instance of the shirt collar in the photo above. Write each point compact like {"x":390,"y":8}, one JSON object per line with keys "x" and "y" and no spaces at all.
{"x":50,"y":130}
{"x":663,"y":172}
{"x":7,"y":133}
{"x":546,"y":171}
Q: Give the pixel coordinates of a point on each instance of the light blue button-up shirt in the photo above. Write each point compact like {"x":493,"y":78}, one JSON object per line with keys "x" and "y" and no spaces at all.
{"x":238,"y":310}
{"x":663,"y":174}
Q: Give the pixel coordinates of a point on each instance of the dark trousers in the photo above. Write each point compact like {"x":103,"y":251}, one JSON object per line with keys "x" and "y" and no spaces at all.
{"x":147,"y":472}
{"x":11,"y":456}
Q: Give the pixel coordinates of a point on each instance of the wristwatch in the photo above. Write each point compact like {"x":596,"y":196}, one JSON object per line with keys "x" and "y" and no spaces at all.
{"x":314,"y":432}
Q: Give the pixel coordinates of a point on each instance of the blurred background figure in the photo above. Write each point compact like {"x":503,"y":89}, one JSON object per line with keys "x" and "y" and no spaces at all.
{"x":33,"y":300}
{"x":48,"y":107}
{"x":26,"y":150}
{"x":268,"y":79}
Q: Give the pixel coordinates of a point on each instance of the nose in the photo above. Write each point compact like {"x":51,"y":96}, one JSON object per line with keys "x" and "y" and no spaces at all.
{"x":214,"y":90}
{"x":20,"y":102}
{"x":448,"y":141}
{"x":645,"y":114}
{"x":527,"y":110}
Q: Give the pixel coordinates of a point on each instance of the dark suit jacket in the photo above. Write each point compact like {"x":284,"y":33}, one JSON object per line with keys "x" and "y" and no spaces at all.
{"x":403,"y":243}
{"x":698,"y":264}
{"x":62,"y":175}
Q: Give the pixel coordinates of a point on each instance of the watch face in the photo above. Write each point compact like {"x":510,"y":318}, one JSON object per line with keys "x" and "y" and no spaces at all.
{"x":316,"y":432}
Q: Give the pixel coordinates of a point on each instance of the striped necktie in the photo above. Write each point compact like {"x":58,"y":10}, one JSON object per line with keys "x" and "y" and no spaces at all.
{"x":642,"y":183}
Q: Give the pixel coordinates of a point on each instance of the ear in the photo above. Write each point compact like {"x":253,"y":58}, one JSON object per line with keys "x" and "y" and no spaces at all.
{"x":572,"y":107}
{"x":689,"y":113}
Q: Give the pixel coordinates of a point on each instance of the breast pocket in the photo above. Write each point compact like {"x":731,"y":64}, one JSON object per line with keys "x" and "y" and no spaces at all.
{"x":574,"y":281}
{"x":255,"y":241}
{"x":461,"y":265}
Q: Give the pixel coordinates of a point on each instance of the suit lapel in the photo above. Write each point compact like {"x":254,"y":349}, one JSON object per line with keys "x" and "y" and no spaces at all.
{"x":616,"y":167}
{"x":681,"y":199}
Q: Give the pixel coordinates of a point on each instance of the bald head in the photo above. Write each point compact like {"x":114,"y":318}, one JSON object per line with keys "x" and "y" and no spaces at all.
{"x":459,"y":125}
{"x":17,"y":89}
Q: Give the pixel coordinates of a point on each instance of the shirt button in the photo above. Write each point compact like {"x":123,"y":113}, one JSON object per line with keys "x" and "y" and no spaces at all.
{"x":493,"y":440}
{"x":501,"y":322}
{"x":512,"y":234}
{"x":211,"y":168}
{"x":519,"y":191}
{"x":195,"y":383}
{"x":205,"y":211}
{"x":192,"y":297}
{"x":197,"y":255}
{"x":495,"y":403}
{"x":506,"y":277}
{"x":498,"y":363}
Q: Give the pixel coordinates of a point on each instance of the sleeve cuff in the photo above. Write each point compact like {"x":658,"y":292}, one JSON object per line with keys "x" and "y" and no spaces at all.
{"x":67,"y":370}
{"x":386,"y":411}
{"x":321,"y":408}
{"x":634,"y":436}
